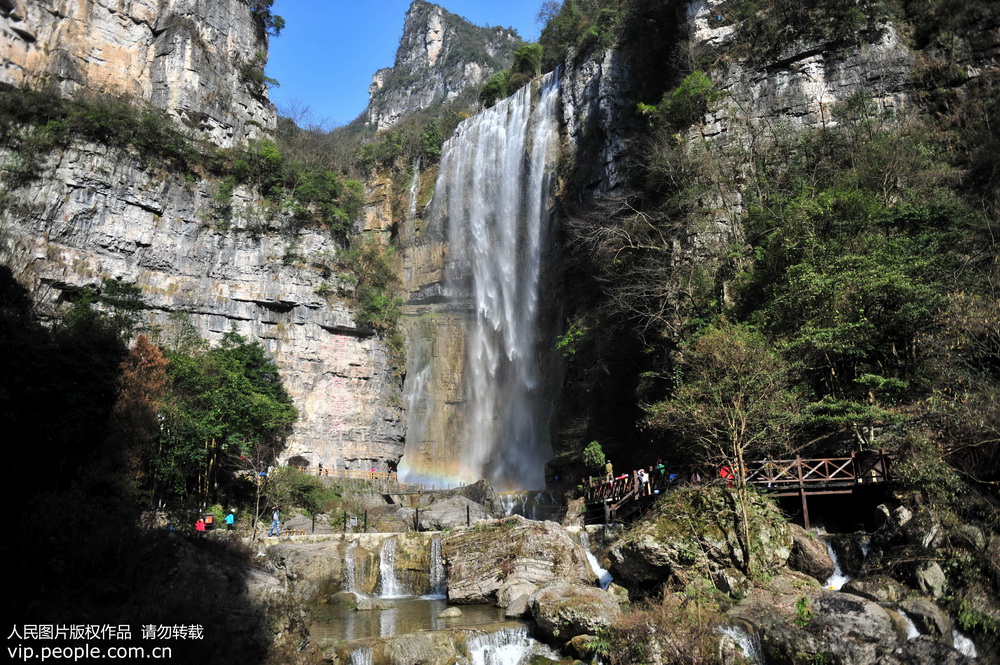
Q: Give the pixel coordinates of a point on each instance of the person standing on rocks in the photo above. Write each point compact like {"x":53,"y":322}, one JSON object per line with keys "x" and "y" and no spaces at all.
{"x":275,"y":522}
{"x":231,"y":520}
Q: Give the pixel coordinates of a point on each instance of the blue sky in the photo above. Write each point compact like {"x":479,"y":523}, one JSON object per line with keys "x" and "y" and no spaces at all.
{"x":325,"y":57}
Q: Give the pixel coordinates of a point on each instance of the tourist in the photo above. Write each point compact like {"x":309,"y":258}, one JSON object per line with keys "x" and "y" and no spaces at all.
{"x":609,"y":471}
{"x":320,"y":472}
{"x":726,"y":473}
{"x":231,"y":520}
{"x":199,"y":526}
{"x":275,"y":522}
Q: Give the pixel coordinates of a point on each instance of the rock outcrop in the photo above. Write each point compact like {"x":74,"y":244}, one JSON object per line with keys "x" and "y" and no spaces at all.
{"x":689,"y":536}
{"x":500,"y":561}
{"x":564,"y":611}
{"x":440,"y":55}
{"x":200,"y":60}
{"x":94,"y":216}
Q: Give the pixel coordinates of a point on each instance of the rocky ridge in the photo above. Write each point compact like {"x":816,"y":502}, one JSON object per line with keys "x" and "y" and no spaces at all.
{"x":440,"y":55}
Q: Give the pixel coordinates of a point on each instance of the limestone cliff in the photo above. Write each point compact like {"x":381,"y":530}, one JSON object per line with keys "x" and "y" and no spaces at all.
{"x":200,"y":60}
{"x":95,"y":213}
{"x":440,"y":55}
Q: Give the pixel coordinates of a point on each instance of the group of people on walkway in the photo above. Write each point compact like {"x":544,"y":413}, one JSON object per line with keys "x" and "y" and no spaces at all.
{"x":645,"y":481}
{"x":206,"y":521}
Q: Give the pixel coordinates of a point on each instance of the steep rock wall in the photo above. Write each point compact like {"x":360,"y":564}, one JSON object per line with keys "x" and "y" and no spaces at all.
{"x":440,"y":55}
{"x":188,"y":57}
{"x":97,"y":216}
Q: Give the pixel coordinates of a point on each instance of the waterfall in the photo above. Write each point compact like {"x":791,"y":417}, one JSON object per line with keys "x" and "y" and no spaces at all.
{"x":349,"y":573}
{"x":411,"y":207}
{"x":507,"y":646}
{"x":747,"y":641}
{"x":838,"y":579}
{"x":491,"y":202}
{"x":911,"y":628}
{"x":362,"y":656}
{"x":437,"y":575}
{"x":604,"y":578}
{"x":964,"y":645}
{"x":389,"y":586}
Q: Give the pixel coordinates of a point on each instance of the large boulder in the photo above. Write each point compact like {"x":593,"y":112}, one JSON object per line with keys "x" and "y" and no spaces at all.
{"x":492,"y":562}
{"x":880,"y":588}
{"x":691,"y":535}
{"x":928,"y":618}
{"x":809,"y":554}
{"x":454,"y":511}
{"x":799,"y":620}
{"x":564,"y":611}
{"x":924,"y":650}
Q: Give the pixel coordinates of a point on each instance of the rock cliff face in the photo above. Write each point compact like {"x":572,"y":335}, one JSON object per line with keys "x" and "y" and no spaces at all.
{"x":193,"y":58}
{"x":96,"y":214}
{"x":439,"y":56}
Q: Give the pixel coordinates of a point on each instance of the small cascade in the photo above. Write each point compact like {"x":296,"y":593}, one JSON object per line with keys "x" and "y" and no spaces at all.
{"x":603,"y":576}
{"x":438,"y":581}
{"x":389,"y":586}
{"x":964,"y":645}
{"x":350,"y":574}
{"x":362,"y":656}
{"x":838,"y":579}
{"x":507,"y":646}
{"x":747,"y":641}
{"x":411,"y":208}
{"x":911,"y":628}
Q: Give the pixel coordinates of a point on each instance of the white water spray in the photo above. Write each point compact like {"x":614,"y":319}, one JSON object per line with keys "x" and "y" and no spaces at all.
{"x":350,"y":569}
{"x":389,"y":586}
{"x":838,"y":579}
{"x":748,"y":643}
{"x":438,"y":582}
{"x":492,"y":199}
{"x":604,"y":578}
{"x":507,"y":646}
{"x":362,"y":656}
{"x":964,"y":645}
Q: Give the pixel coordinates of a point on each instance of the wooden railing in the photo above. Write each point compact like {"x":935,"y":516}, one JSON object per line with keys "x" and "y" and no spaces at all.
{"x":799,"y":476}
{"x":833,"y":472}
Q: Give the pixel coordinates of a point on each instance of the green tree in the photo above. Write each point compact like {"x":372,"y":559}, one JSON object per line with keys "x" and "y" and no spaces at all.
{"x":593,"y":456}
{"x":733,"y":403}
{"x":224,"y":404}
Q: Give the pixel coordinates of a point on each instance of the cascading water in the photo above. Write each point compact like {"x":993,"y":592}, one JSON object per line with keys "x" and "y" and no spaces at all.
{"x":836,"y":581}
{"x":492,"y":199}
{"x":911,"y":628}
{"x":438,"y":582}
{"x":507,"y":646}
{"x":747,"y":641}
{"x":362,"y":656}
{"x":964,"y":645}
{"x":389,"y":586}
{"x":350,"y":574}
{"x":603,"y":576}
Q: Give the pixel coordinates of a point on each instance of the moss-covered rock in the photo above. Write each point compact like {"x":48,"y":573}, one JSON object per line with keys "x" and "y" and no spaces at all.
{"x":489,"y":561}
{"x":694,"y":533}
{"x":564,"y":611}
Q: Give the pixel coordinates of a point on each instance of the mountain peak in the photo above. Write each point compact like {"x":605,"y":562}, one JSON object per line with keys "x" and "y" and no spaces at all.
{"x":440,"y":55}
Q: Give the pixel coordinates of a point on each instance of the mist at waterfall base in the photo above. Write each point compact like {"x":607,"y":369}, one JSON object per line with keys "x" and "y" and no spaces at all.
{"x":491,"y":203}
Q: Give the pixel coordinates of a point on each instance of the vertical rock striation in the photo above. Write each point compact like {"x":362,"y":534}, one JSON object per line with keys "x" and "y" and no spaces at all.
{"x":192,"y":58}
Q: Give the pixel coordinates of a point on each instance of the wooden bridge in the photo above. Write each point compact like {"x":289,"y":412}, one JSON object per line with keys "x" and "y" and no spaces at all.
{"x":628,"y":494}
